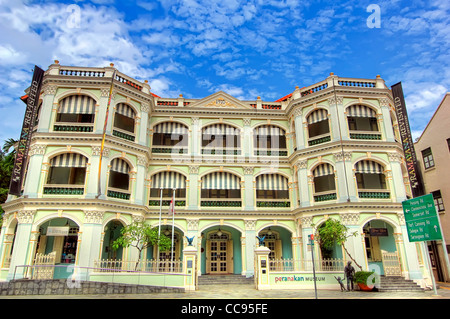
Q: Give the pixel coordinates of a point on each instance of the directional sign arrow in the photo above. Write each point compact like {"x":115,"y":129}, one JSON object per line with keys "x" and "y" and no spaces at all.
{"x":435,"y":228}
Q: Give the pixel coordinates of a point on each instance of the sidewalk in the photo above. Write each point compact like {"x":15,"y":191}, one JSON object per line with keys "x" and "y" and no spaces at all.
{"x":248,"y":292}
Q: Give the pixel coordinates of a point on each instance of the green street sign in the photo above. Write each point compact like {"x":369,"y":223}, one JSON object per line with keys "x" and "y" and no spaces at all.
{"x":422,"y":221}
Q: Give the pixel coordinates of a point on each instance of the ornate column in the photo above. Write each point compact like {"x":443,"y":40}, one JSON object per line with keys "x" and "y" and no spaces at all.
{"x":299,"y":130}
{"x":21,"y":251}
{"x":250,"y":245}
{"x":354,"y":244}
{"x":140,"y":180}
{"x":145,"y":108}
{"x":196,"y":140}
{"x":306,"y":230}
{"x":397,"y":177}
{"x":101,"y":112}
{"x":31,"y":187}
{"x":45,"y":116}
{"x":248,"y":138}
{"x":92,"y":182}
{"x":345,"y":182}
{"x":338,"y":121}
{"x":249,"y":199}
{"x":385,"y":120}
{"x":194,"y":188}
{"x":303,"y":185}
{"x":89,"y":241}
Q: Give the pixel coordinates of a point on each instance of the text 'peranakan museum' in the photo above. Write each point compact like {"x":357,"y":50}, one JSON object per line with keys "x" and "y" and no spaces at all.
{"x":240,"y":169}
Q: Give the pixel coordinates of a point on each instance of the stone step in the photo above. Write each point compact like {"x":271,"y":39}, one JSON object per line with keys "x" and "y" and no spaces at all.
{"x":397,"y":284}
{"x":224,"y":280}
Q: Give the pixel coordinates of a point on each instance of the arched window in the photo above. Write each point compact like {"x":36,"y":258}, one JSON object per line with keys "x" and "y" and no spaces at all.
{"x":269,"y":140}
{"x":67,"y":169}
{"x":169,"y":137}
{"x":221,"y":139}
{"x":167,"y":182}
{"x":221,"y":189}
{"x":371,"y":180}
{"x":324,"y":182}
{"x":124,"y":122}
{"x":362,"y":122}
{"x":272,"y":190}
{"x":318,"y":127}
{"x":119,"y":179}
{"x":76,"y":113}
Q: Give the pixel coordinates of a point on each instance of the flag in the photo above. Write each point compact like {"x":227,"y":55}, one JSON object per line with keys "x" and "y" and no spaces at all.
{"x":172,"y":207}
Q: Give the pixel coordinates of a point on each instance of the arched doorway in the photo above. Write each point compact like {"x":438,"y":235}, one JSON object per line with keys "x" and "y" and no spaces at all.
{"x":380,"y":243}
{"x":60,"y":237}
{"x":221,"y":251}
{"x":112,"y":232}
{"x":278,"y":240}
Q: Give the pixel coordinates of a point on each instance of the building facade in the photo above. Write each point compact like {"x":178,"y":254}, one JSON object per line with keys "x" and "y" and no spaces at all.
{"x":433,"y":154}
{"x":240,"y":170}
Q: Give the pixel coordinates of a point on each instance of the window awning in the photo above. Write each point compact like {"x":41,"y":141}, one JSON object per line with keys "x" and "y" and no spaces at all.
{"x":168,"y":180}
{"x":269,"y":130}
{"x":77,"y":104}
{"x":221,"y":180}
{"x":69,"y":160}
{"x":368,"y":167}
{"x":171,"y":128}
{"x":317,"y":116}
{"x":221,"y":129}
{"x":120,"y":166}
{"x":272,"y":182}
{"x":323,"y":169}
{"x":360,"y":111}
{"x":125,"y":110}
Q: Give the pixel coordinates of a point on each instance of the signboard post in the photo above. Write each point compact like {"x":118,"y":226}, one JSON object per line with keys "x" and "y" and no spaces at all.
{"x":422,"y":223}
{"x":311,"y":243}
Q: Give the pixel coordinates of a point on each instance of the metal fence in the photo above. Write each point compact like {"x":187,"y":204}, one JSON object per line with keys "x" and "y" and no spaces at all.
{"x":289,"y":265}
{"x":164,"y":266}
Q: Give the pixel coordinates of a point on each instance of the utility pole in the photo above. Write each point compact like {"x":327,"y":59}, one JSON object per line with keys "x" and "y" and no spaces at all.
{"x":311,"y":243}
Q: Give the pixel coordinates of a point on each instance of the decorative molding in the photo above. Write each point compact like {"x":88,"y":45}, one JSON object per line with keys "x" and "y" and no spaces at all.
{"x":193,"y":169}
{"x":37,"y":149}
{"x":247,"y":121}
{"x":138,"y":218}
{"x":306,"y":222}
{"x":350,"y":218}
{"x":250,"y":224}
{"x":297,"y":112}
{"x":302,"y":164}
{"x":334,"y":101}
{"x":341,"y":156}
{"x":145,"y":107}
{"x":220,"y":102}
{"x":192,"y":224}
{"x":93,"y":217}
{"x":401,"y":218}
{"x":248,"y":170}
{"x":394,"y":157}
{"x":26,"y":216}
{"x":383,"y":102}
{"x":96,"y":151}
{"x":142,"y":160}
{"x":50,"y":90}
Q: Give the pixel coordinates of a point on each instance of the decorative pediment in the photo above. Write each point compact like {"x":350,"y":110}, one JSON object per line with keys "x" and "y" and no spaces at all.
{"x":220,"y":100}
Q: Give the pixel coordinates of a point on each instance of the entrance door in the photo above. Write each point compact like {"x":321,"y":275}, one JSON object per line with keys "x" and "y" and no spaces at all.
{"x":219,"y":255}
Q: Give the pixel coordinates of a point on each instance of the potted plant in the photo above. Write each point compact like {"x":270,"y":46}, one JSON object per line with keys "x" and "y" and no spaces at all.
{"x":365,"y":280}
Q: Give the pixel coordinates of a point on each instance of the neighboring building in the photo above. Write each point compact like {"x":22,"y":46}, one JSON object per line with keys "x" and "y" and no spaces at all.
{"x":433,"y":154}
{"x":241,"y":169}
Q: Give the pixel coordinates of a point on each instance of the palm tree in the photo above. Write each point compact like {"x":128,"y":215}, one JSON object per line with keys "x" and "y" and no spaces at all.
{"x":8,"y":144}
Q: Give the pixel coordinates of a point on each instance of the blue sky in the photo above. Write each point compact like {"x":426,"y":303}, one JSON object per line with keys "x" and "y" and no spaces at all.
{"x":245,"y":48}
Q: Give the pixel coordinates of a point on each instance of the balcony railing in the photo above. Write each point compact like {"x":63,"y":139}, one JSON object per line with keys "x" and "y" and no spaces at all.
{"x":270,"y":152}
{"x":64,"y":189}
{"x":220,"y":151}
{"x":365,"y":135}
{"x":73,"y":127}
{"x":170,"y":150}
{"x":319,"y":140}
{"x":152,"y":265}
{"x":220,"y":203}
{"x":124,"y":135}
{"x":289,"y":265}
{"x":325,"y":196}
{"x":119,"y":194}
{"x":375,"y":194}
{"x":273,"y":203}
{"x":166,"y":202}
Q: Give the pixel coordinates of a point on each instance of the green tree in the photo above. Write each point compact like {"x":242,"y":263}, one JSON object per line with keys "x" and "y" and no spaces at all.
{"x":333,"y":232}
{"x":7,"y":156}
{"x":141,"y":236}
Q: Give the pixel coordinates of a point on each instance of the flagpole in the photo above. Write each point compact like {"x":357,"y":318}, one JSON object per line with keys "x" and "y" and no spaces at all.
{"x":159,"y":224}
{"x":99,"y":190}
{"x":173,"y":227}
